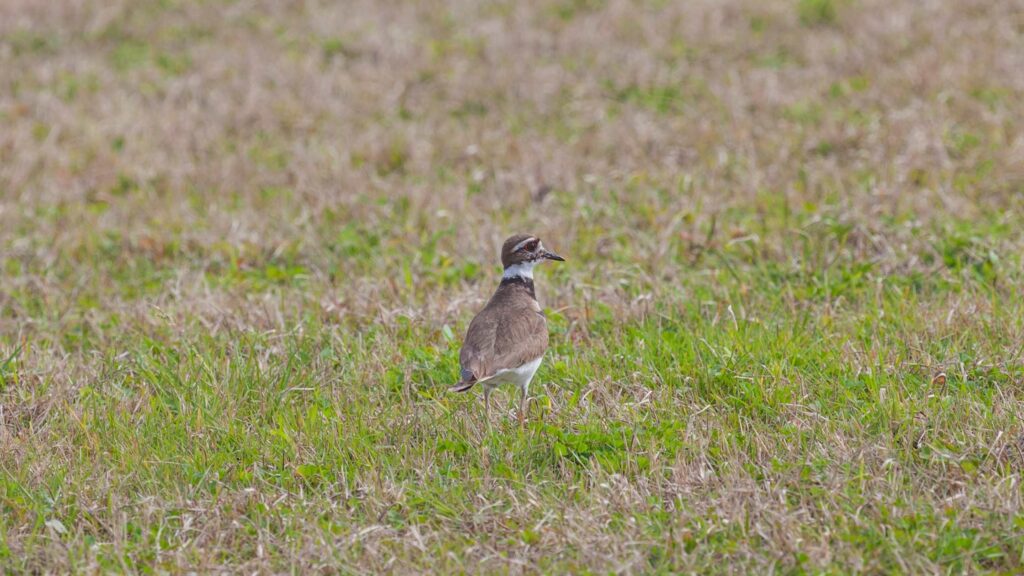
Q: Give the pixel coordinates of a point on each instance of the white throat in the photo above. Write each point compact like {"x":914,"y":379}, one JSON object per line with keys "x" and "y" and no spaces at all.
{"x":520,"y":270}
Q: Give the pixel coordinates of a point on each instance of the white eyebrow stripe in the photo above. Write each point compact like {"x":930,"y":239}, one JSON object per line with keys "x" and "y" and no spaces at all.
{"x":523,"y":243}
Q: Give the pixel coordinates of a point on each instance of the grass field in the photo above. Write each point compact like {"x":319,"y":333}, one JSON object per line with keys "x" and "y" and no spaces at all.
{"x":240,"y":242}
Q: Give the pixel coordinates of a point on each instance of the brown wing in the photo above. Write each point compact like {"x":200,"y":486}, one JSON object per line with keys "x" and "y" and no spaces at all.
{"x":478,"y":347}
{"x":521,"y":339}
{"x":503,"y":337}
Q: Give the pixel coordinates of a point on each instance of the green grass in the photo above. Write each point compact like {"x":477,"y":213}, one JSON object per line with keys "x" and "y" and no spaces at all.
{"x":239,"y":251}
{"x":809,"y":394}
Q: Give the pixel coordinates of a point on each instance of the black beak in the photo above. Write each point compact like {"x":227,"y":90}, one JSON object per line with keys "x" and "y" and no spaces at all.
{"x":551,"y":256}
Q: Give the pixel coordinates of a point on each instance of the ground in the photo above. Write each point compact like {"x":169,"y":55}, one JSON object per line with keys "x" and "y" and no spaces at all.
{"x":241,"y":240}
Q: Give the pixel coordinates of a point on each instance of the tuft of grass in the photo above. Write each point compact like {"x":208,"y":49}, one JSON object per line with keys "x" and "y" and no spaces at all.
{"x":567,"y":10}
{"x":817,"y":12}
{"x":658,"y":99}
{"x":130,"y":54}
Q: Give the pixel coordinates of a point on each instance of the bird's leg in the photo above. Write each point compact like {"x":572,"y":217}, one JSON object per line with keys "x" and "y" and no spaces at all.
{"x":487,"y":404}
{"x":522,"y":407}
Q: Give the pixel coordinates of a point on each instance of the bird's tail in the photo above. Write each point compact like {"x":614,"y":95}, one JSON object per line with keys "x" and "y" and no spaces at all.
{"x":467,"y":382}
{"x":462,"y":386}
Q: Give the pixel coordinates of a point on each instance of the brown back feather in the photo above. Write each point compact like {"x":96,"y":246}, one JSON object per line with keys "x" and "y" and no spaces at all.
{"x":509,"y":332}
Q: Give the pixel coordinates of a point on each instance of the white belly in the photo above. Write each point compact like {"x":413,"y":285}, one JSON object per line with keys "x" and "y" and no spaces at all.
{"x":520,"y":376}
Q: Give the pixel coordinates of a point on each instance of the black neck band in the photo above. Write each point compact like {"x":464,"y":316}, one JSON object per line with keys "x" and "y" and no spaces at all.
{"x":521,"y":280}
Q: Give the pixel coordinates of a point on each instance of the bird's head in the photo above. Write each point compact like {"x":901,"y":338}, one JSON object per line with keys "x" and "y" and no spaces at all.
{"x":520,"y":253}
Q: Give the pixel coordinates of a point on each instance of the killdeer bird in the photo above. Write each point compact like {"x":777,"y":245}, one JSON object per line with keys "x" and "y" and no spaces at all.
{"x":507,"y":339}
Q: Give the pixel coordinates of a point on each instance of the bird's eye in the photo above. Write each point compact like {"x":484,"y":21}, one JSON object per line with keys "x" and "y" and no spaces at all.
{"x":531,"y":246}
